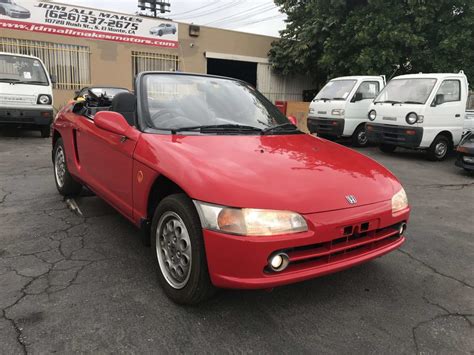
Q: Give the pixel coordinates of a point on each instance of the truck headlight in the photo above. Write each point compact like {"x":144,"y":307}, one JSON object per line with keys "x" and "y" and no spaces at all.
{"x":249,"y":221}
{"x":411,"y":118}
{"x":44,"y":99}
{"x":338,"y":112}
{"x":399,"y":201}
{"x":372,"y":115}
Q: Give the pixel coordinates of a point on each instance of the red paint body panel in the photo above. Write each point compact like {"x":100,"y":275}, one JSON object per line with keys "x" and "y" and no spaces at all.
{"x":239,"y":262}
{"x":299,"y":173}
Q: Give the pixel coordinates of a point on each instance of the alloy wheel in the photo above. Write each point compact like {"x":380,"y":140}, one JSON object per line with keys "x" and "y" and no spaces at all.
{"x":173,"y":249}
{"x":60,"y":166}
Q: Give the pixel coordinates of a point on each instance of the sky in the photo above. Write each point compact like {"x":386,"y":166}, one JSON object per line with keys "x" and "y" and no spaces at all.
{"x":255,"y":16}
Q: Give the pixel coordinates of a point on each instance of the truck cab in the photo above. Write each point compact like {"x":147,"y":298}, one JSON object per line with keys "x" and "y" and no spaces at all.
{"x":420,"y":111}
{"x":26,"y":95}
{"x":340,"y":108}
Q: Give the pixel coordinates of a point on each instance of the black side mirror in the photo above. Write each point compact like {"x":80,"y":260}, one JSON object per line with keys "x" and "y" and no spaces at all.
{"x":357,"y":97}
{"x":439,"y":99}
{"x":53,"y":79}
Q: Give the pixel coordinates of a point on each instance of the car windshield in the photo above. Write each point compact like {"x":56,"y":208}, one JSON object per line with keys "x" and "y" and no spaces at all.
{"x":336,"y":90}
{"x":410,"y":91}
{"x":109,"y":92}
{"x":175,"y":101}
{"x":18,"y":69}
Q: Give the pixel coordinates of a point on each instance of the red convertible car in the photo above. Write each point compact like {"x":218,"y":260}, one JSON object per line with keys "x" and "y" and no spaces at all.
{"x":231,"y":193}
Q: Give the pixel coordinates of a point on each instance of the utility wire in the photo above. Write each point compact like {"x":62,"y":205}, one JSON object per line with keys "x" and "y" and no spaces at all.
{"x":244,"y":14}
{"x":197,"y":9}
{"x":257,"y":21}
{"x":213,"y":11}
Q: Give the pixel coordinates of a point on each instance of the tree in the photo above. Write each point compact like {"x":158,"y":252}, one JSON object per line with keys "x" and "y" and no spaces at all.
{"x":329,"y":38}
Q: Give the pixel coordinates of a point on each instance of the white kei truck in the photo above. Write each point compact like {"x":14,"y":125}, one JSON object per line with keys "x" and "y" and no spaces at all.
{"x":421,"y":111}
{"x":340,"y":107}
{"x":26,"y":95}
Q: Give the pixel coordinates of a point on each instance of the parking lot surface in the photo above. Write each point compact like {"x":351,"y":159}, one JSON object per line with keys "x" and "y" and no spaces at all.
{"x":72,"y":283}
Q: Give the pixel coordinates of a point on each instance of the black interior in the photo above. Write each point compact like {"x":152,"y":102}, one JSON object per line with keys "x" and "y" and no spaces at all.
{"x":125,"y":103}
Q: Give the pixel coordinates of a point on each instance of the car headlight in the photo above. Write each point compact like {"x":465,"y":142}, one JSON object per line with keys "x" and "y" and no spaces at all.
{"x":411,"y":118}
{"x":399,"y":201}
{"x":249,"y":221}
{"x":44,"y":99}
{"x":372,"y":115}
{"x":338,"y":112}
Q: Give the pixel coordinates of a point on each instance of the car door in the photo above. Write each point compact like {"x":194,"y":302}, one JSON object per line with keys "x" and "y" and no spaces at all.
{"x":106,"y":161}
{"x":357,"y":110}
{"x":448,"y":115}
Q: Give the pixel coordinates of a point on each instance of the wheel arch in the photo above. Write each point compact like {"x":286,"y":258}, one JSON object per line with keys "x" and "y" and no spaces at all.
{"x":56,"y":136}
{"x":448,"y":135}
{"x":161,"y":188}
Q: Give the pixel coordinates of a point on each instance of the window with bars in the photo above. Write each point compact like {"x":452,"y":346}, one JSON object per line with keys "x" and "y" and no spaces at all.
{"x":144,"y":61}
{"x":69,"y":63}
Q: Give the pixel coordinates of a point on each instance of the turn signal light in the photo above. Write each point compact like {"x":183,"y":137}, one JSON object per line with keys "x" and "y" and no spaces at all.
{"x":410,"y":132}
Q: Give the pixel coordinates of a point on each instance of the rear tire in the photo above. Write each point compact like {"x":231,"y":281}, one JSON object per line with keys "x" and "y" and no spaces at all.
{"x":45,"y":132}
{"x":178,"y":247}
{"x":65,"y":183}
{"x":387,"y":148}
{"x":359,"y":138}
{"x":439,"y":149}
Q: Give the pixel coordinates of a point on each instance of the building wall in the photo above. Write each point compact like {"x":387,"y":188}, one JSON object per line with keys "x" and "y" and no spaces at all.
{"x":111,"y":62}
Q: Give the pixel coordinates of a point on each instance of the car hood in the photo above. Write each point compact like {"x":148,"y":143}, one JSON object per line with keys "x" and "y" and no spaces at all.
{"x":299,"y":172}
{"x":15,"y":7}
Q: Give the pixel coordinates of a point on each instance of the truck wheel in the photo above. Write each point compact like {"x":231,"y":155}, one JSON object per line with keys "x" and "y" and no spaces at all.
{"x":178,"y":246}
{"x":45,"y":132}
{"x":359,"y":138}
{"x":387,"y":148}
{"x":439,"y":149}
{"x":65,"y":183}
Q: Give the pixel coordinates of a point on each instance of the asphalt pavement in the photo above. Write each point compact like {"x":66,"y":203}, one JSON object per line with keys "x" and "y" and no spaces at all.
{"x":72,"y":283}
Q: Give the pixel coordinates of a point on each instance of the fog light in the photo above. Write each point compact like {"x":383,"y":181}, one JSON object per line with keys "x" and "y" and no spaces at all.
{"x":278,"y":262}
{"x":403,"y":228}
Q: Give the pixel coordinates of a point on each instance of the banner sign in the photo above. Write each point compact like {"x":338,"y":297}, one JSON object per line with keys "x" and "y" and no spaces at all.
{"x":75,"y":21}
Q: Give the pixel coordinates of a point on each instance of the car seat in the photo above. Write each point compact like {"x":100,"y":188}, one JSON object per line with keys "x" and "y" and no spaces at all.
{"x":125,"y":103}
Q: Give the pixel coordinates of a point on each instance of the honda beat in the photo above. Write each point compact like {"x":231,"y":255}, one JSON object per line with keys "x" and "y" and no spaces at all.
{"x":231,"y":194}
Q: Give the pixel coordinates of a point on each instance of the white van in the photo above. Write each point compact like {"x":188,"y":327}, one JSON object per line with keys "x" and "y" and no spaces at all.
{"x":340,"y":108}
{"x":421,"y":111}
{"x":26,"y":95}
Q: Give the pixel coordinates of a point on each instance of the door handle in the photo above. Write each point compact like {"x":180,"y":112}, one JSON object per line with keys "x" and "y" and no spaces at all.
{"x":457,"y":115}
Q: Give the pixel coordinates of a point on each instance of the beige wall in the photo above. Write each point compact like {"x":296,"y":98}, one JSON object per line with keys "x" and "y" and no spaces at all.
{"x":111,"y":61}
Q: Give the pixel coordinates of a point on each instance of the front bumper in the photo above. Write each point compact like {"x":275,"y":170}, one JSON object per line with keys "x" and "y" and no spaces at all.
{"x":401,"y":136}
{"x":41,"y":116}
{"x":326,"y":126}
{"x":465,"y":161}
{"x":336,"y":240}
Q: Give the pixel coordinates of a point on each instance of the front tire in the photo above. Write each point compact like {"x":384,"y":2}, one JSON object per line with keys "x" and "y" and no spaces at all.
{"x":160,"y":33}
{"x":65,"y":183}
{"x":439,"y":149}
{"x":359,"y":138}
{"x":178,"y":247}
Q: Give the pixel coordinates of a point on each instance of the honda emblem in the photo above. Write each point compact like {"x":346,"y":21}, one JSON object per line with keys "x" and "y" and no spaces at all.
{"x":351,"y":199}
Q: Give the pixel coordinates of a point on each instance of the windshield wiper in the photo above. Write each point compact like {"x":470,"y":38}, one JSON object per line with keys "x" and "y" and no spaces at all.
{"x":33,"y":82}
{"x":338,"y":98}
{"x":229,"y":127}
{"x":284,"y":127}
{"x":393,"y":102}
{"x":324,"y":99}
{"x":412,"y":102}
{"x":7,"y":80}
